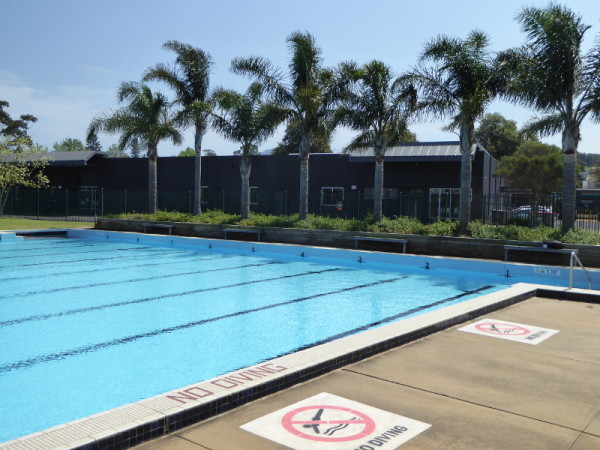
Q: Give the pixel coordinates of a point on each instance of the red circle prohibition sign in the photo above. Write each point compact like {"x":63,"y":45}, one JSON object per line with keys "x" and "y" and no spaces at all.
{"x":502,"y":328}
{"x":296,"y":425}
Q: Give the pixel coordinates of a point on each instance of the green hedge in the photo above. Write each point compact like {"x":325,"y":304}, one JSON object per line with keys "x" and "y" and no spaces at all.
{"x":400,"y":225}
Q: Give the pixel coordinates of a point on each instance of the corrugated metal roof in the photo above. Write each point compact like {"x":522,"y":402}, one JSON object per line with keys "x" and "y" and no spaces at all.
{"x":417,"y":151}
{"x":63,"y":158}
{"x":70,"y":158}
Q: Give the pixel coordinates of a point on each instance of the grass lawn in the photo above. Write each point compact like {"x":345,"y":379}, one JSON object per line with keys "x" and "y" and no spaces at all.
{"x":28,"y":224}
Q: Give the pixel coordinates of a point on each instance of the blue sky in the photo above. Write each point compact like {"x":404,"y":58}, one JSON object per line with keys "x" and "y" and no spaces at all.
{"x":63,"y":60}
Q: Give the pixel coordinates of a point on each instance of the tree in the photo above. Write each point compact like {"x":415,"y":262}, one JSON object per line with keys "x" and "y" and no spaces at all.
{"x":136,"y":148}
{"x":189,"y":151}
{"x":189,"y":78}
{"x":246,"y":119}
{"x":92,"y":143}
{"x":308,"y":93}
{"x":68,"y":145}
{"x":499,"y":136}
{"x":588,"y":159}
{"x":533,"y":166}
{"x":21,"y":164}
{"x":253,"y":151}
{"x":114,"y":151}
{"x":378,"y":106}
{"x":14,"y":127}
{"x":462,"y":80}
{"x":146,"y":117}
{"x":551,"y":75}
{"x":319,"y":142}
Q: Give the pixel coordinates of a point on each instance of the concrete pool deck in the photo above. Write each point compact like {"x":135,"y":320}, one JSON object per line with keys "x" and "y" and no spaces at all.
{"x":475,"y":391}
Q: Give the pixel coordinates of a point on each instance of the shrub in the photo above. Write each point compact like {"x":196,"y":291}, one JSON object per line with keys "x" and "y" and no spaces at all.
{"x":399,"y":225}
{"x":443,"y":228}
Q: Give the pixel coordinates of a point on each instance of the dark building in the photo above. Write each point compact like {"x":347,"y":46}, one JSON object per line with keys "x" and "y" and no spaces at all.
{"x":427,"y":173}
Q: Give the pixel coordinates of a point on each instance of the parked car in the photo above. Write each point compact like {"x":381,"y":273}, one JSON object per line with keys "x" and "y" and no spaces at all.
{"x":526,"y":211}
{"x":535,"y":215}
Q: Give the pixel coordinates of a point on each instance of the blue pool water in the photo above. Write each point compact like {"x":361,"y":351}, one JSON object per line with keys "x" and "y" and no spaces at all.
{"x":87,"y":326}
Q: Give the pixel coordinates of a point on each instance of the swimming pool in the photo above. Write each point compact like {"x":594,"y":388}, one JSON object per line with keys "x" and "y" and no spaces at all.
{"x":100,"y":319}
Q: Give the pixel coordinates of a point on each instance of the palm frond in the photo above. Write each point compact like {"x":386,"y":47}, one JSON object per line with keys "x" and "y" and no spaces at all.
{"x":306,"y":59}
{"x":544,"y":126}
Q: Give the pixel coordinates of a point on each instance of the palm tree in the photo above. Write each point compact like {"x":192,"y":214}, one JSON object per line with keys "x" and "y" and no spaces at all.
{"x":189,"y":78}
{"x":459,"y":85}
{"x":378,"y":106}
{"x":249,"y":121}
{"x":550,"y":74}
{"x":147,"y":118}
{"x":307,"y":93}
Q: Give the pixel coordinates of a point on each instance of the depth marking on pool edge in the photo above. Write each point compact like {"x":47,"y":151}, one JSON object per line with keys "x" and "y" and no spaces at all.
{"x":77,"y":351}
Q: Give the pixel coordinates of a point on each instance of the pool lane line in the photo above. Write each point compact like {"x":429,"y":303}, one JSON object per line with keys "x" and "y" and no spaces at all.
{"x":47,"y":247}
{"x":102,"y":345}
{"x":104,"y":250}
{"x":151,"y":299}
{"x":389,"y":319}
{"x":131,"y":280}
{"x":105,"y":269}
{"x":88,"y":259}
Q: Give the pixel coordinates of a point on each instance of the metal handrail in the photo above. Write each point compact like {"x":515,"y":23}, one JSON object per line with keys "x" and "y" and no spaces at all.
{"x":575,"y":258}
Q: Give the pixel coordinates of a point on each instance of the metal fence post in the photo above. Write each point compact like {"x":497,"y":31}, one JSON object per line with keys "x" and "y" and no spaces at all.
{"x":102,"y":201}
{"x":66,"y":203}
{"x":38,"y":204}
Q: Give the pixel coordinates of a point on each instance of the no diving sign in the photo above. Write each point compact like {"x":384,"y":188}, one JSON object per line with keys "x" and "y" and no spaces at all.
{"x":526,"y":334}
{"x":326,"y":421}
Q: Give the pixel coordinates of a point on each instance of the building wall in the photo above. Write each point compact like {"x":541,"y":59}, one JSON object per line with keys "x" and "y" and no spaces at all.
{"x":275,"y":173}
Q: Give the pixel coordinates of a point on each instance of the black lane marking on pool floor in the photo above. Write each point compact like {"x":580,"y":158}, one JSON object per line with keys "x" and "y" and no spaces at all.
{"x":161,"y":297}
{"x":185,"y":258}
{"x":132,"y":280}
{"x":88,"y":259}
{"x":20,"y":249}
{"x":103,"y":250}
{"x":102,"y":345}
{"x":390,"y":319}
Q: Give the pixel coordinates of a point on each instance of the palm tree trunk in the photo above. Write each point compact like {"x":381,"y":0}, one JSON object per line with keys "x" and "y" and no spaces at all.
{"x":303,"y":153}
{"x":379,"y":152}
{"x":245,"y":167}
{"x":570,"y":140}
{"x":152,"y":178}
{"x":3,"y":197}
{"x":466,"y":148}
{"x":197,"y":208}
{"x":303,"y":208}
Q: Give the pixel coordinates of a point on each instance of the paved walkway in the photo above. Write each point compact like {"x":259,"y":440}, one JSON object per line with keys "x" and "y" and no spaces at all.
{"x":477,"y":392}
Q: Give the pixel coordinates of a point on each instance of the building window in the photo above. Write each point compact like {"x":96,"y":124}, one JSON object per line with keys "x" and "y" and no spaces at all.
{"x":388,"y":193}
{"x":253,"y":195}
{"x":332,"y":196}
{"x":443,"y":203}
{"x":88,"y":198}
{"x":204,"y":195}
